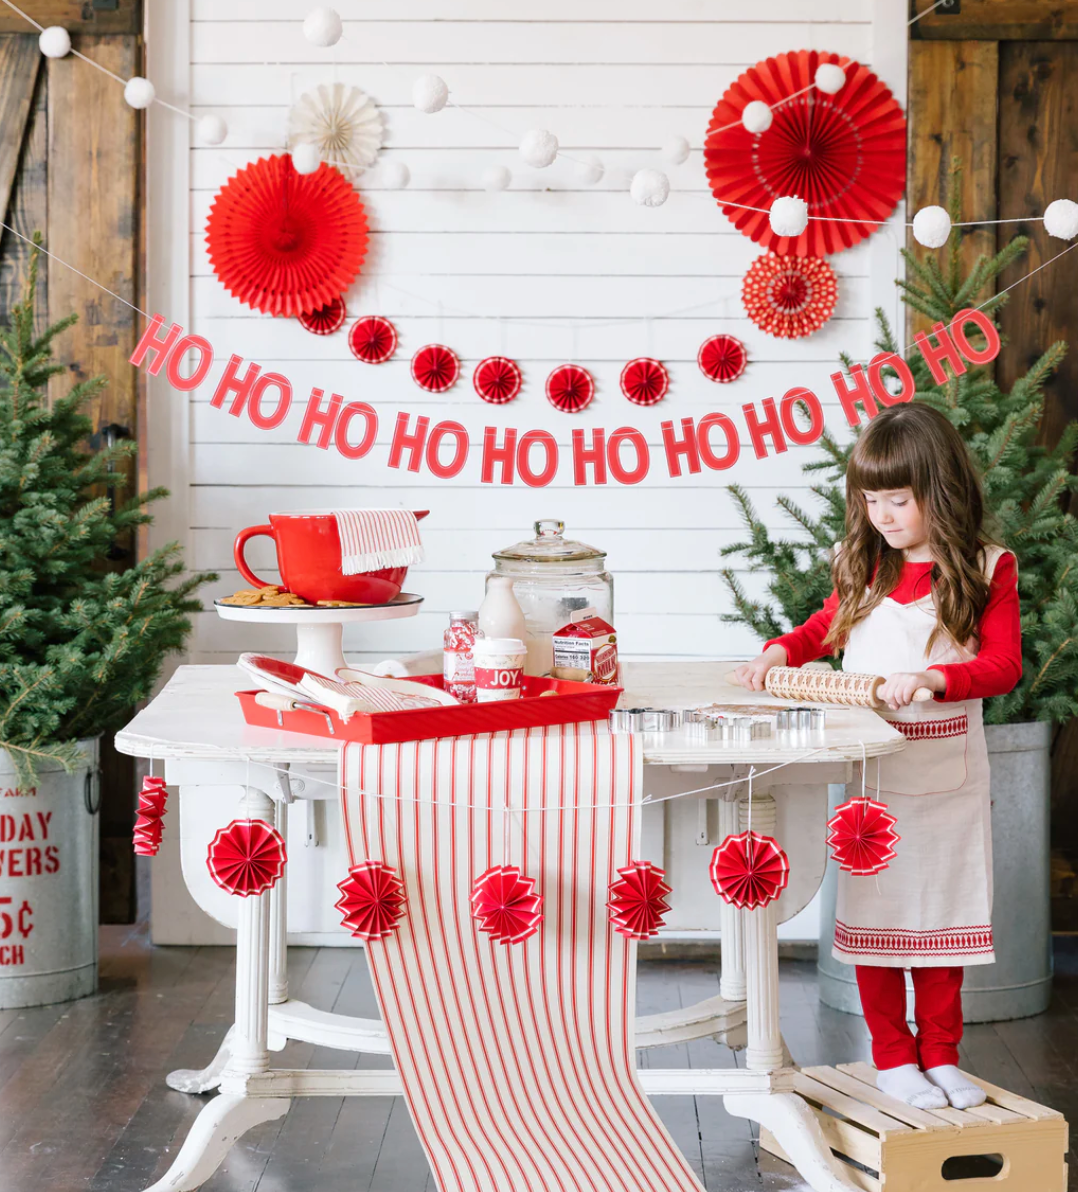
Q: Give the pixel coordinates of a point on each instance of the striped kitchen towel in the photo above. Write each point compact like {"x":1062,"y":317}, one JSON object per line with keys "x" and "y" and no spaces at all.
{"x":517,"y":1060}
{"x":375,"y":538}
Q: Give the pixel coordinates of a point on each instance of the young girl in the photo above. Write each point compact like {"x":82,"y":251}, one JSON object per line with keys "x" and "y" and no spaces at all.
{"x":923,"y":598}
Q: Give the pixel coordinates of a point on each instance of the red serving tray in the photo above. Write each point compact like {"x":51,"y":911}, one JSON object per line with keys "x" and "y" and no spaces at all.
{"x":573,"y":702}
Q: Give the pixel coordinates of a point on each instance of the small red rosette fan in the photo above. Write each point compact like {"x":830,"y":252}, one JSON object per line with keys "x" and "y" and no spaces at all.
{"x":638,"y":900}
{"x":497,"y":379}
{"x":326,"y":319}
{"x":505,"y":904}
{"x":844,"y":154}
{"x":569,"y":388}
{"x":372,"y":339}
{"x":722,"y":358}
{"x":435,"y":368}
{"x":789,"y":297}
{"x":861,"y":836}
{"x":749,"y":870}
{"x":146,"y":836}
{"x":247,"y":857}
{"x":285,"y":243}
{"x":372,"y":900}
{"x":645,"y":382}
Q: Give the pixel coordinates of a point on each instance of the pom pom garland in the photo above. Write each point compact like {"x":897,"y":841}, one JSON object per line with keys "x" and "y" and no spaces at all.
{"x":496,"y":178}
{"x":589,"y":169}
{"x":211,"y":130}
{"x":322,"y":27}
{"x":395,"y":175}
{"x":931,"y":227}
{"x":649,"y":188}
{"x":676,"y":151}
{"x":430,"y":93}
{"x":306,"y":158}
{"x":55,"y":42}
{"x":757,"y":117}
{"x":139,"y":92}
{"x":829,"y":78}
{"x":538,"y":148}
{"x":789,"y":216}
{"x":1061,"y":219}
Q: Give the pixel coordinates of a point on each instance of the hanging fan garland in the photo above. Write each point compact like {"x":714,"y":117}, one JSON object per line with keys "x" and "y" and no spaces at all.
{"x":638,"y":900}
{"x":645,"y":382}
{"x":497,"y":379}
{"x":326,"y":319}
{"x":789,"y":297}
{"x":844,"y":154}
{"x":435,"y":368}
{"x":505,"y":904}
{"x":372,"y":339}
{"x":343,"y":122}
{"x":722,"y":358}
{"x":372,"y":900}
{"x":570,"y":388}
{"x":247,"y":858}
{"x":861,"y":836}
{"x":146,"y":836}
{"x":749,"y":870}
{"x":285,"y":243}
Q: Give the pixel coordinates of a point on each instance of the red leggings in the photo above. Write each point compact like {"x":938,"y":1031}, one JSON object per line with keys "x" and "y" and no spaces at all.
{"x":937,"y":1010}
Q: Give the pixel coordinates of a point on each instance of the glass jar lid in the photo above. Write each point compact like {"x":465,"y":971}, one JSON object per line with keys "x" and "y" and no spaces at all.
{"x":549,"y":546}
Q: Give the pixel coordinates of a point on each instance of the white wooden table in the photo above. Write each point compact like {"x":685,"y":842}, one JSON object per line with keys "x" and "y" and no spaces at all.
{"x":196,"y":729}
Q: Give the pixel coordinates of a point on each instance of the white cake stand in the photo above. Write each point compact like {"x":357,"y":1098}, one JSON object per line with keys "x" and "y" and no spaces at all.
{"x":319,"y":631}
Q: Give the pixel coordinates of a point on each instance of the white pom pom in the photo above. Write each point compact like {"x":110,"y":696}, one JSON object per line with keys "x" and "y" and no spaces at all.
{"x":54,"y":42}
{"x":830,"y":78}
{"x":1061,"y":219}
{"x":394,"y":174}
{"x":139,"y":92}
{"x":496,"y":177}
{"x":589,"y":169}
{"x":789,"y":216}
{"x":649,"y":188}
{"x":676,"y":151}
{"x":323,"y":27}
{"x":430,"y":94}
{"x":931,"y":227}
{"x":539,"y":148}
{"x":757,"y":116}
{"x":211,"y":130}
{"x":306,"y":158}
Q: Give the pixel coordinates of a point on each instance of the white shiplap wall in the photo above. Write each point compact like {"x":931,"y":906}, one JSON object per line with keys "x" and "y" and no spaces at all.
{"x":614,"y":77}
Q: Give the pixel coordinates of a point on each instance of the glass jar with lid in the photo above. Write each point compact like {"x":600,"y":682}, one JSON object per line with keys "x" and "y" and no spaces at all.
{"x":554,"y":576}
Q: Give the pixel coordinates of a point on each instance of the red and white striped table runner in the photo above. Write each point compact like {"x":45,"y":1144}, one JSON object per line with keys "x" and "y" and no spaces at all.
{"x":375,"y":538}
{"x":517,"y":1061}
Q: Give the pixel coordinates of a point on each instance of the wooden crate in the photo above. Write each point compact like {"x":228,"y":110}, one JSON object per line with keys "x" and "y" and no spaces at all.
{"x":904,"y":1149}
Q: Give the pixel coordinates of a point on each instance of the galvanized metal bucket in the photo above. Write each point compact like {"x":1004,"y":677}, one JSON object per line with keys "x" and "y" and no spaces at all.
{"x":48,"y":883}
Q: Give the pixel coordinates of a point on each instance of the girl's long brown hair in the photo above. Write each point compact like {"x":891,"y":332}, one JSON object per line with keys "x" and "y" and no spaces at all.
{"x":913,"y":446}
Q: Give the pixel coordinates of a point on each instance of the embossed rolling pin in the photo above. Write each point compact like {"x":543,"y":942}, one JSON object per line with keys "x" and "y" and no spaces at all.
{"x":829,"y":686}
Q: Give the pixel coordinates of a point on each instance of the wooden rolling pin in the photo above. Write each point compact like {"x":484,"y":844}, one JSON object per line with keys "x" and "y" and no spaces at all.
{"x":829,"y":687}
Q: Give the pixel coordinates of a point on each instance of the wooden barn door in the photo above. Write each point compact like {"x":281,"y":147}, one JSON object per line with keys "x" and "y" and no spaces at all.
{"x":70,"y":169}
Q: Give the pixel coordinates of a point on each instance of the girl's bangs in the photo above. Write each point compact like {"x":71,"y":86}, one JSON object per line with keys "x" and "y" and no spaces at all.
{"x":888,"y":466}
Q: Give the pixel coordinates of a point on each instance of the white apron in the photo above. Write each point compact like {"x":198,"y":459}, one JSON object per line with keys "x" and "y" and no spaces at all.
{"x":932,"y":906}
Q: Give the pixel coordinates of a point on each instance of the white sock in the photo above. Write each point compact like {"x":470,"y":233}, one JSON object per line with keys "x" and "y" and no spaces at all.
{"x":907,"y":1083}
{"x":961,"y":1092}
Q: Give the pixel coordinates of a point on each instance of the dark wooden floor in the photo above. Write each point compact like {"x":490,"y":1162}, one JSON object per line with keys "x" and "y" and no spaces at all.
{"x":83,"y":1103}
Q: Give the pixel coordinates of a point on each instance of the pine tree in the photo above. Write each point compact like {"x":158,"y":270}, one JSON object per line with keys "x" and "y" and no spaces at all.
{"x":1026,"y":486}
{"x":79,"y":645}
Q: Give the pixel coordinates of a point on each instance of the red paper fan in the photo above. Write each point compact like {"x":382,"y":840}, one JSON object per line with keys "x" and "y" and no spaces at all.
{"x":749,"y":870}
{"x":645,"y":381}
{"x":497,"y":379}
{"x":247,"y":857}
{"x":505,"y":904}
{"x":284,"y":243}
{"x":372,"y":900}
{"x":861,"y":836}
{"x":146,"y":836}
{"x":326,"y":319}
{"x":844,"y":154}
{"x":372,"y":339}
{"x":722,"y":358}
{"x":435,"y":368}
{"x":789,"y":297}
{"x":638,"y":900}
{"x":569,"y":388}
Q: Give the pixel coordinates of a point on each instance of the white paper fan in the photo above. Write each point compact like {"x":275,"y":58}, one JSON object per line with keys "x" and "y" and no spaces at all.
{"x":343,"y":122}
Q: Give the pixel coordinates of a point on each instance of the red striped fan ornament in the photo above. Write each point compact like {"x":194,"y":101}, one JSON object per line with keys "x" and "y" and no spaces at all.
{"x":326,"y":319}
{"x":497,"y":379}
{"x":372,"y":339}
{"x":861,"y":836}
{"x":146,"y":836}
{"x":372,"y":900}
{"x":570,"y":388}
{"x":722,"y":358}
{"x":844,"y":154}
{"x":505,"y":904}
{"x":789,"y":297}
{"x":749,"y":870}
{"x":435,"y":368}
{"x":247,"y":857}
{"x":645,"y":382}
{"x":638,"y":900}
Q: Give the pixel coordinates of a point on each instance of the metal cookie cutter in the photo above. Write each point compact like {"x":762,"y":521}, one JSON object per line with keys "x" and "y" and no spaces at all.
{"x":644,"y":720}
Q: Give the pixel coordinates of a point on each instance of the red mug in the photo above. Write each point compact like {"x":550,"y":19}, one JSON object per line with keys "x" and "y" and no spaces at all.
{"x":309,"y":560}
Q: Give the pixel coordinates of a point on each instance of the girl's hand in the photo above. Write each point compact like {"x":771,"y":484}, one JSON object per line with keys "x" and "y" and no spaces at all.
{"x":751,"y":674}
{"x":897,"y":691}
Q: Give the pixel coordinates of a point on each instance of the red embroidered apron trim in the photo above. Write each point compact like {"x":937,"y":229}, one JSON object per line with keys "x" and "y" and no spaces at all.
{"x":931,"y":729}
{"x":893,"y":941}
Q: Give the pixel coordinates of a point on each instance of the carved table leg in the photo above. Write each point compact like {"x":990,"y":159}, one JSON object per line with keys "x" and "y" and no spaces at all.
{"x":731,"y":924}
{"x":202,"y":1080}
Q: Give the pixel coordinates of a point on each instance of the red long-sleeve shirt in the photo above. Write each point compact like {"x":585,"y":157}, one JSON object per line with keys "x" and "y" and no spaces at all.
{"x":998,"y":665}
